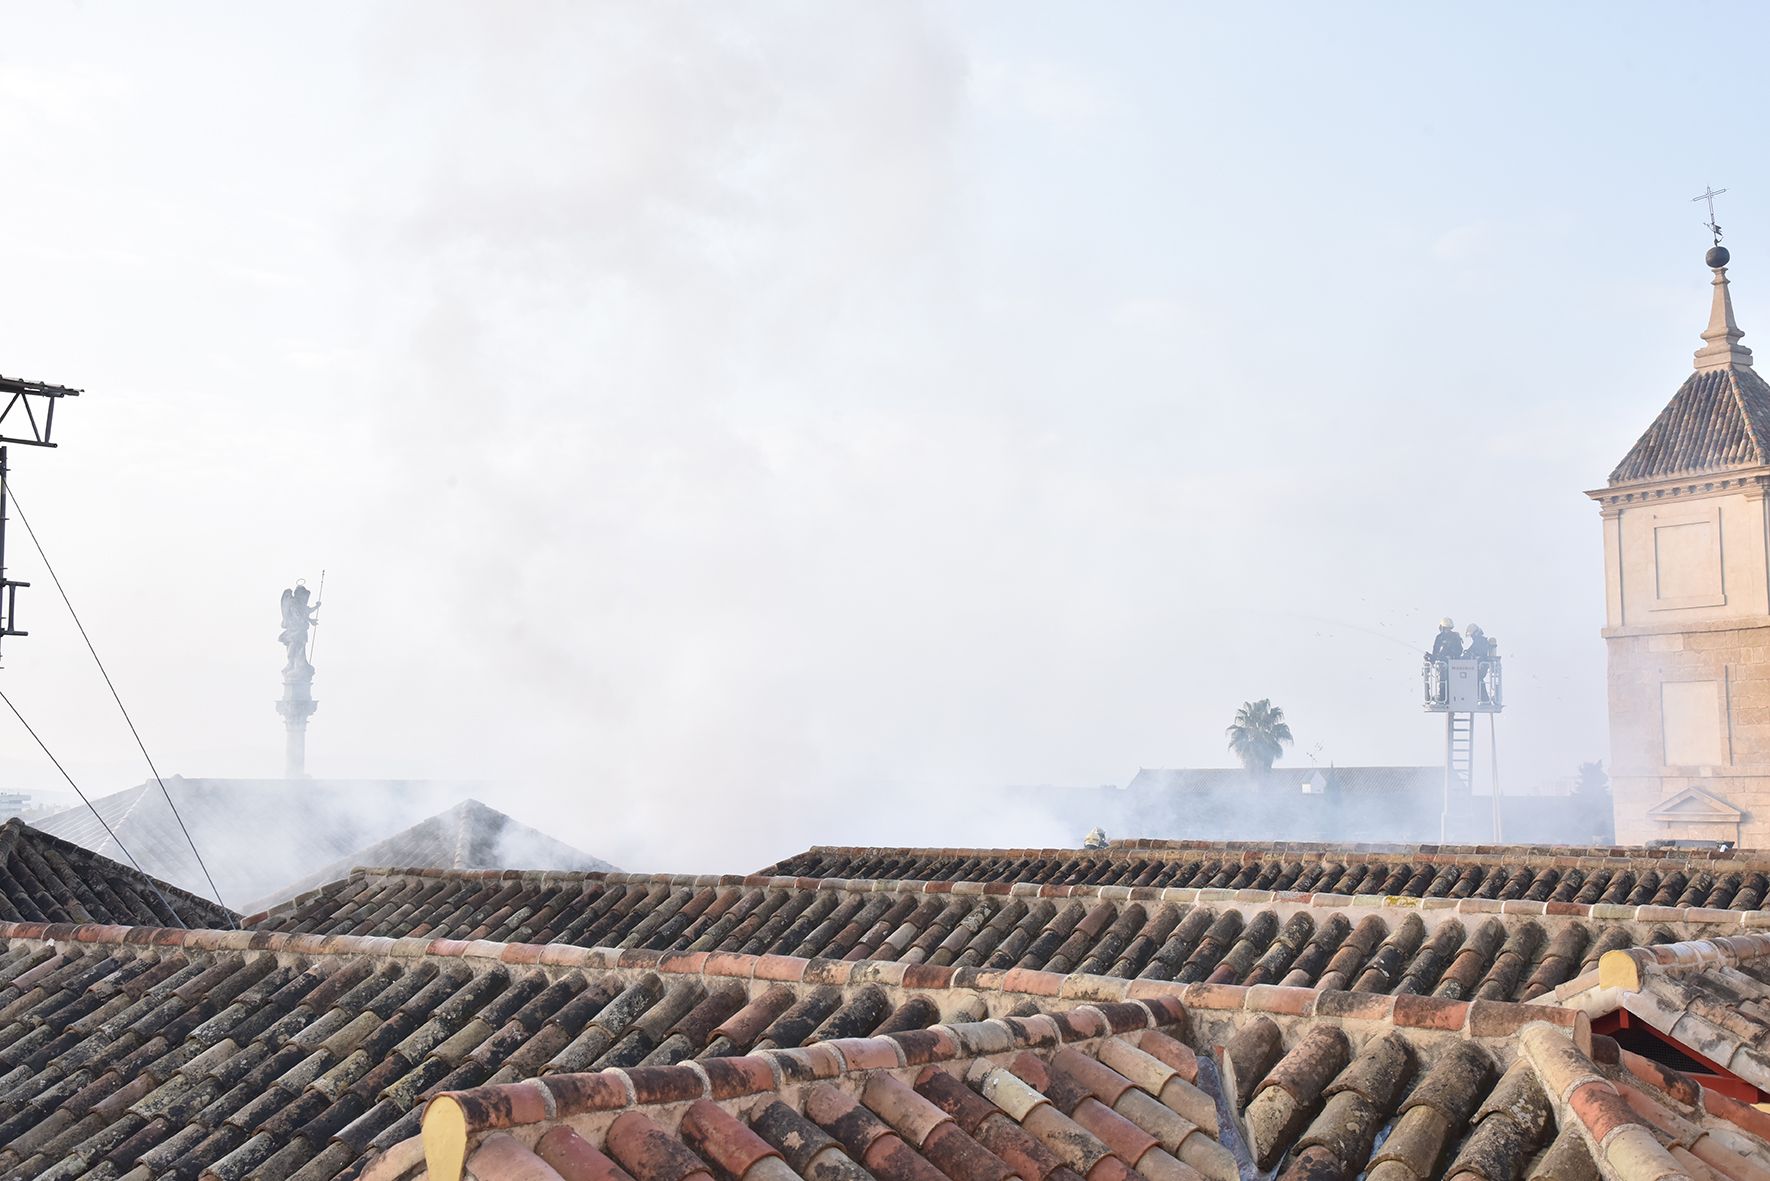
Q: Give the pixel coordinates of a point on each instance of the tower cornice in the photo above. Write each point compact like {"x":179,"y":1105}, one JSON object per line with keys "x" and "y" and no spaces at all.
{"x":1749,"y":480}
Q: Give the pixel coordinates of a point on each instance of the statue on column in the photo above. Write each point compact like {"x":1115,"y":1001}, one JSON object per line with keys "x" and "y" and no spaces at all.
{"x":297,"y":703}
{"x":298,"y":618}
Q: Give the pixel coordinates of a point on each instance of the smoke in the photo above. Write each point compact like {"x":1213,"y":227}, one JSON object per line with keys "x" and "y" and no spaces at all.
{"x":731,"y":430}
{"x":517,"y":846}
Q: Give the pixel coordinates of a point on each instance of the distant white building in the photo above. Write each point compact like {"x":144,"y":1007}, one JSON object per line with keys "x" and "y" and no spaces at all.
{"x":259,"y":835}
{"x":1393,"y":804}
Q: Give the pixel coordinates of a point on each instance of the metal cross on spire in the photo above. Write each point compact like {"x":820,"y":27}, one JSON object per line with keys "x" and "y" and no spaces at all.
{"x":1709,"y":195}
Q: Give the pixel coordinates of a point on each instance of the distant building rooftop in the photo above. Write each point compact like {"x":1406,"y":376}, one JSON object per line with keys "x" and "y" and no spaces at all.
{"x":1290,"y":780}
{"x":255,"y":835}
{"x":1400,"y":804}
{"x":469,"y":836}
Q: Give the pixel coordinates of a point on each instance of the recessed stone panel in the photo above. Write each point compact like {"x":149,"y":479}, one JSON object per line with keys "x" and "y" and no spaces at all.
{"x":1687,"y":563}
{"x":1692,"y":723}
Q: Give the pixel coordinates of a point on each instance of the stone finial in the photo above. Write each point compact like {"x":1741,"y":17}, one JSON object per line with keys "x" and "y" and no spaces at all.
{"x":1721,"y":348}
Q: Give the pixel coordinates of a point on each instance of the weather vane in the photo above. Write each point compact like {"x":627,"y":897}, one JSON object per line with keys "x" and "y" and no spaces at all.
{"x":1710,"y":196}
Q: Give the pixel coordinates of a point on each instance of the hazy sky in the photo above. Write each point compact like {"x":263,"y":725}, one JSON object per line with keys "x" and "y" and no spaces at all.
{"x":729,"y":427}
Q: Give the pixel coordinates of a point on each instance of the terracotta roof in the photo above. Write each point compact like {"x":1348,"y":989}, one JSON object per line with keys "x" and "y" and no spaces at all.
{"x":131,"y":1053}
{"x":1517,"y":949}
{"x":174,"y":1051}
{"x":1710,"y":998}
{"x":316,"y":822}
{"x":142,"y":1052}
{"x":46,"y":879}
{"x":1224,"y":1084}
{"x":467,"y":836}
{"x":1737,"y":879}
{"x":1717,"y":420}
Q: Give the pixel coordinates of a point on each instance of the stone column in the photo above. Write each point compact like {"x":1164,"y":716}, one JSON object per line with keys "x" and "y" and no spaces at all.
{"x":296,"y":706}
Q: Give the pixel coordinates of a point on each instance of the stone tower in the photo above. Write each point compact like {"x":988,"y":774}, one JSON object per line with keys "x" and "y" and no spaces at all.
{"x":1687,"y":603}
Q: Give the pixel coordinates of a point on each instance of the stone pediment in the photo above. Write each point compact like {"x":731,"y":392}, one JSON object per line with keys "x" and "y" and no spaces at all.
{"x":1695,"y":804}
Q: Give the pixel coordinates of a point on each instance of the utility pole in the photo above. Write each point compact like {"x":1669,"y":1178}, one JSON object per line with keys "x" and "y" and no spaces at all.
{"x":27,"y":419}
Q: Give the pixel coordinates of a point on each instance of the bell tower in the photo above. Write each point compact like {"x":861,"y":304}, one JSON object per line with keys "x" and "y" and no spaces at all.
{"x":1687,"y":602}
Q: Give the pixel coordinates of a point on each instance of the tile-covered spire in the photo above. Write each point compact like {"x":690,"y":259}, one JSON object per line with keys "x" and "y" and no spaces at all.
{"x":1720,"y":417}
{"x":1721,"y":348}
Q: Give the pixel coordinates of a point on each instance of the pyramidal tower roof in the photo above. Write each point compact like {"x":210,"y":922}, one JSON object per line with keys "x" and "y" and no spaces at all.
{"x":1720,"y":417}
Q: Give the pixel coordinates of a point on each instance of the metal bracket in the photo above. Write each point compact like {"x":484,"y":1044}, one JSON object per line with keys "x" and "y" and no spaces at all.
{"x":29,"y":408}
{"x":27,"y":417}
{"x":9,"y":608}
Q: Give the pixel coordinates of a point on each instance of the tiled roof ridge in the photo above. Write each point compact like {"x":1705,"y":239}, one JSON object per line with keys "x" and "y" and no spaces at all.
{"x":1624,"y":1145}
{"x":359,"y":872}
{"x":464,"y":817}
{"x":1611,"y":911}
{"x":1739,"y":381}
{"x":1476,"y":854}
{"x":452,"y":1117}
{"x":81,"y":856}
{"x":1622,"y":968}
{"x":462,"y":825}
{"x":1477,"y":1018}
{"x":1684,"y":991}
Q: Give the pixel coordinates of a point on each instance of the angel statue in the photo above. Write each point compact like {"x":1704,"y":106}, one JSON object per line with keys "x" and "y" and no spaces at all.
{"x":297,"y":618}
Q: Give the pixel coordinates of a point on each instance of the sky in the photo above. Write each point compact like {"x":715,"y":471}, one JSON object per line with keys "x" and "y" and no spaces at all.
{"x":730,"y":428}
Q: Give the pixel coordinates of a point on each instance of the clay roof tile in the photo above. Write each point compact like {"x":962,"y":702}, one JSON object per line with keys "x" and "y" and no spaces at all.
{"x":722,"y":1139}
{"x":575,"y":1158}
{"x":649,"y":1153}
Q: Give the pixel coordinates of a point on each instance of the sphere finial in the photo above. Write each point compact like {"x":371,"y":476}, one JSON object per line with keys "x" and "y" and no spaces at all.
{"x":1717,"y":257}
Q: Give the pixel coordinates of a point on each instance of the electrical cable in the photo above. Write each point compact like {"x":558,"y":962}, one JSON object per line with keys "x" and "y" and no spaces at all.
{"x":115,"y":696}
{"x":152,"y":883}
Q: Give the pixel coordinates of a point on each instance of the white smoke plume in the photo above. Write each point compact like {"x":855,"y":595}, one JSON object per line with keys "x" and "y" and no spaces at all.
{"x":732,"y":429}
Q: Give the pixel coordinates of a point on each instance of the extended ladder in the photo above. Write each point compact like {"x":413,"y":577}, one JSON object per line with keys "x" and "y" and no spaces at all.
{"x":1459,"y":762}
{"x":1459,"y":751}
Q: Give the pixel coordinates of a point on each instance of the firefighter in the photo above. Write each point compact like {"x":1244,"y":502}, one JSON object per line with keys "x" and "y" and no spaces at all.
{"x":1448,"y":645}
{"x":1479,"y":647}
{"x":1481,"y":651}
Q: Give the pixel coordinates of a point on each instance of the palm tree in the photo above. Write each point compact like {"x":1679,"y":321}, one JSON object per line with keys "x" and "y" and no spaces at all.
{"x":1259,"y":734}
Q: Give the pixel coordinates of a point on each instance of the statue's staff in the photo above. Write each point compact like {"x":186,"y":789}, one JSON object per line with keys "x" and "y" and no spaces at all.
{"x":314,"y":640}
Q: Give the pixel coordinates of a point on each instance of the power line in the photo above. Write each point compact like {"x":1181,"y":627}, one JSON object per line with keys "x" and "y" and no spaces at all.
{"x":152,"y":883}
{"x":115,"y":696}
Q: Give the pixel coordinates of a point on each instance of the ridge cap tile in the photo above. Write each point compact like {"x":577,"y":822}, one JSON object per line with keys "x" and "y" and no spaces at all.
{"x":869,"y":1053}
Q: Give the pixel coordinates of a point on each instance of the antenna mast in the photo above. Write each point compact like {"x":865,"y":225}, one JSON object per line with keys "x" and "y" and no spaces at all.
{"x":27,"y":419}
